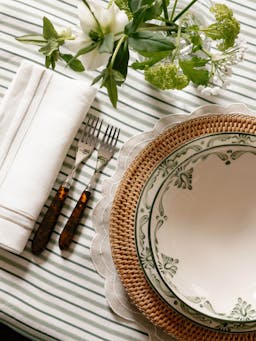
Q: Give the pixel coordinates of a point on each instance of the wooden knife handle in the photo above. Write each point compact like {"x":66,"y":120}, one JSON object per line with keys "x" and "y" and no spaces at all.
{"x":69,"y":230}
{"x":46,"y":227}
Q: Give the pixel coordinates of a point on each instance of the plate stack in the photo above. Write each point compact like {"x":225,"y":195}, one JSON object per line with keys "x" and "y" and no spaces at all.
{"x":183,"y":229}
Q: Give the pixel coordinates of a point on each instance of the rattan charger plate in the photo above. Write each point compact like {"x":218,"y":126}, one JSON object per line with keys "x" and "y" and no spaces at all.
{"x":122,"y":223}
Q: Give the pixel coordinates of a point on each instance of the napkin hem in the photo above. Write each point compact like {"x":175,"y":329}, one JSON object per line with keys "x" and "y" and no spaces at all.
{"x":17,"y":236}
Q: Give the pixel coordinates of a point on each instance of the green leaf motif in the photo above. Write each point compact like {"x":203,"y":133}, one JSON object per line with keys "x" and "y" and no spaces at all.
{"x":183,"y":178}
{"x":243,"y":311}
{"x":150,"y":42}
{"x":169,"y":265}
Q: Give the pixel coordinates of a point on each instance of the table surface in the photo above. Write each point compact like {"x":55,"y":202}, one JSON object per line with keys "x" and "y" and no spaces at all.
{"x":61,"y":296}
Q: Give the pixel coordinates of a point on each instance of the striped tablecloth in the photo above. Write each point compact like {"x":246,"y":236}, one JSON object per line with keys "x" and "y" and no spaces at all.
{"x":61,"y":296}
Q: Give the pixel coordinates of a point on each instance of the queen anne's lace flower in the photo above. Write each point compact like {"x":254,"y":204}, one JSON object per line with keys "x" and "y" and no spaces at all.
{"x":111,"y":20}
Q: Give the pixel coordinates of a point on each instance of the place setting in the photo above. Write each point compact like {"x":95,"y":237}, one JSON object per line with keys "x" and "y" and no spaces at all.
{"x":186,"y":225}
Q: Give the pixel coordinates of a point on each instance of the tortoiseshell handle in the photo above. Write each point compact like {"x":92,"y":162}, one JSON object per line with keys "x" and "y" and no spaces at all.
{"x":46,"y":227}
{"x":69,"y":230}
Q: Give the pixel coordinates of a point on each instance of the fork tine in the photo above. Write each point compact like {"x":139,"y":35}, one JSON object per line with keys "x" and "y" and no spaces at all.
{"x":109,"y":135}
{"x":99,"y":129}
{"x":113,"y":136}
{"x":92,"y":127}
{"x":87,"y":127}
{"x":116,"y":138}
{"x":105,"y":134}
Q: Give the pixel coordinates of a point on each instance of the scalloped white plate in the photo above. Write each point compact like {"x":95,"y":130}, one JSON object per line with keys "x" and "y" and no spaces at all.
{"x":202,"y":225}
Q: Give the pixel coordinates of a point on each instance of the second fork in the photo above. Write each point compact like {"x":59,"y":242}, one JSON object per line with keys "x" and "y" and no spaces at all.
{"x":106,"y":151}
{"x":86,"y":145}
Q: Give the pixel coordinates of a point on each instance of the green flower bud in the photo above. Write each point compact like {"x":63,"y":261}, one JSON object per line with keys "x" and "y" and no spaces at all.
{"x":166,"y":76}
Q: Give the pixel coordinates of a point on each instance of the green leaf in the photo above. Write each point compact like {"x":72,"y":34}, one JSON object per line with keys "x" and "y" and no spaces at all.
{"x":154,"y":11}
{"x":49,"y":31}
{"x":150,"y":61}
{"x":135,"y":5}
{"x":86,"y":49}
{"x":49,"y":48}
{"x":119,"y":78}
{"x":107,"y":43}
{"x":32,"y":39}
{"x":74,"y":63}
{"x":98,"y":78}
{"x":110,"y":83}
{"x":112,"y":91}
{"x":198,"y":62}
{"x":138,"y":19}
{"x":190,"y":69}
{"x":146,"y":41}
{"x":122,"y":59}
{"x":48,"y":61}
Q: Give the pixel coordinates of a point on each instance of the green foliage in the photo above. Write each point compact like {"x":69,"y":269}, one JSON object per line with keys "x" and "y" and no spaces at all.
{"x":166,"y":76}
{"x":153,"y":59}
{"x":146,"y":42}
{"x":174,"y":49}
{"x":192,"y":68}
{"x":73,"y":62}
{"x":221,"y":12}
{"x":123,"y":5}
{"x":226,"y":28}
{"x":107,"y":43}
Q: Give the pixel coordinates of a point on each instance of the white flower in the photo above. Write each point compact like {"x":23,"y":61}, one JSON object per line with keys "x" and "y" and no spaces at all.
{"x":111,"y":20}
{"x":65,"y":33}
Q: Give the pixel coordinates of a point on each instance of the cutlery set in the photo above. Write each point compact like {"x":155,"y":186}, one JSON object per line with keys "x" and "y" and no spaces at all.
{"x":89,"y":141}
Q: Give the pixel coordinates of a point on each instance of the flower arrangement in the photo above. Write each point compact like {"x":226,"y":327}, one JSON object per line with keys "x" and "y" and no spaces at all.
{"x":173,"y":47}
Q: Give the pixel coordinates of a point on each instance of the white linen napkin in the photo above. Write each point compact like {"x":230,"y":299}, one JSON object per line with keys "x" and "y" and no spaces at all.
{"x":39,"y":118}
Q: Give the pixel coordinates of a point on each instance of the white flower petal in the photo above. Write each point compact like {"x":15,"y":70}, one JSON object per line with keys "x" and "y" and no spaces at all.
{"x":87,"y":21}
{"x":119,"y":19}
{"x":81,"y":41}
{"x":93,"y":60}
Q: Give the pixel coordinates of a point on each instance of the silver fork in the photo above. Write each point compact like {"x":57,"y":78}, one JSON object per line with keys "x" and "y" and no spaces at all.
{"x":85,"y":147}
{"x":105,"y":153}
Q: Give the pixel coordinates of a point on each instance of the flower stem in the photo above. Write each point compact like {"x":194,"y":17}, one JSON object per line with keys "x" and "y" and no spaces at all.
{"x":94,"y":16}
{"x":173,"y":9}
{"x":184,"y":10}
{"x":165,"y":10}
{"x":120,"y":42}
{"x":177,"y":50}
{"x":171,"y":28}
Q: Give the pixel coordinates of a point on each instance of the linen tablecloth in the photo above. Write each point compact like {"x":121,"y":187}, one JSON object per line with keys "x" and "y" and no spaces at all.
{"x":60,"y":295}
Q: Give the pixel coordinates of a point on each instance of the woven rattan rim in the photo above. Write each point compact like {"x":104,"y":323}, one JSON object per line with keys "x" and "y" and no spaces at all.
{"x":123,"y":218}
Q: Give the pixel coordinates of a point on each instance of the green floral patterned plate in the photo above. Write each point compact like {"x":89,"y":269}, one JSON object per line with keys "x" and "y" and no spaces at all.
{"x":195,"y":231}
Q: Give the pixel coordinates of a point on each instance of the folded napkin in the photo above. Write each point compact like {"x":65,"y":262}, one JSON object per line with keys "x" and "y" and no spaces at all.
{"x":39,"y":118}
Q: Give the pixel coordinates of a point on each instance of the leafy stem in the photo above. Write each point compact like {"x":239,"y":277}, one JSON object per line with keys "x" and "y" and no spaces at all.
{"x":166,"y":16}
{"x":184,"y":10}
{"x":176,"y":51}
{"x":119,"y":44}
